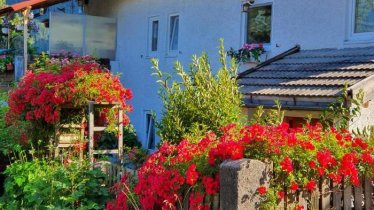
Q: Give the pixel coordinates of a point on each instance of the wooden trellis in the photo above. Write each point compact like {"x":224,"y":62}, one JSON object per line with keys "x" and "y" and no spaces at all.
{"x":92,"y":129}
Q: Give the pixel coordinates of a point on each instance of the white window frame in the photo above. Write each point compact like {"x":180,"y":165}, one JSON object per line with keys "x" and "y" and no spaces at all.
{"x":147,"y":133}
{"x":171,"y":52}
{"x":351,"y":35}
{"x":267,"y":46}
{"x":150,"y":36}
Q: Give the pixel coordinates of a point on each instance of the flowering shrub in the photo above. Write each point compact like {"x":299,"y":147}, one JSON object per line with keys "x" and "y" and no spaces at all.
{"x":247,"y":52}
{"x":301,"y":158}
{"x":41,"y":93}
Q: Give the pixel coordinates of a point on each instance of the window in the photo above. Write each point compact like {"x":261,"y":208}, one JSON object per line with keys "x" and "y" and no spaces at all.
{"x":153,"y":34}
{"x":364,"y":16}
{"x":259,"y":24}
{"x":154,"y":42}
{"x":150,"y":131}
{"x":173,"y":32}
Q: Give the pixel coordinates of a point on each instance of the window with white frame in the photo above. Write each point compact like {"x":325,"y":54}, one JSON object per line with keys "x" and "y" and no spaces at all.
{"x":361,"y":21}
{"x":153,"y":34}
{"x":150,"y":131}
{"x":259,"y":24}
{"x":363,"y":16}
{"x":173,"y":33}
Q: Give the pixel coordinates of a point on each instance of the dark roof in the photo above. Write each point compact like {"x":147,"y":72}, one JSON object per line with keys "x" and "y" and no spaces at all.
{"x":309,"y":73}
{"x":34,"y":4}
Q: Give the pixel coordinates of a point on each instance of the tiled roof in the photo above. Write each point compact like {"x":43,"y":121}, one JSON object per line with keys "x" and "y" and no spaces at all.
{"x":310,"y":73}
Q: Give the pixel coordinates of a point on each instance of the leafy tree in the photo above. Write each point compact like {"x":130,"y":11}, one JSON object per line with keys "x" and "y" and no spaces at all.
{"x":200,"y":101}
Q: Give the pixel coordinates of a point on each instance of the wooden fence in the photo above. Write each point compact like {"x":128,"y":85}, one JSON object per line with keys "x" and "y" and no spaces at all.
{"x":333,"y":197}
{"x":328,"y":196}
{"x":113,"y":171}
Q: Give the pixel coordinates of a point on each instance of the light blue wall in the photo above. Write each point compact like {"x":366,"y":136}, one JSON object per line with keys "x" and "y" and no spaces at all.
{"x":312,"y":24}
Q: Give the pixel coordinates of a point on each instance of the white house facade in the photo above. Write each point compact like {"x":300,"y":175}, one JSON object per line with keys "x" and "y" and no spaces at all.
{"x":173,"y":30}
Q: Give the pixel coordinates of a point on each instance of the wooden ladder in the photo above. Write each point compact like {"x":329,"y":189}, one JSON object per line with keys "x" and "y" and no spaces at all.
{"x":92,"y":129}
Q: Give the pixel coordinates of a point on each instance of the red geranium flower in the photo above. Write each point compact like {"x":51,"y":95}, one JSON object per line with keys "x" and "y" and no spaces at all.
{"x":262,"y":190}
{"x":191,"y":175}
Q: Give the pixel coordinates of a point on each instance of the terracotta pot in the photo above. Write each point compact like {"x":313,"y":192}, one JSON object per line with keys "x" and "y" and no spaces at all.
{"x":10,"y":67}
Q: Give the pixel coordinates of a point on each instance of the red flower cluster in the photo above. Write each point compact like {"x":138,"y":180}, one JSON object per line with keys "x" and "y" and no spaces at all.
{"x":287,"y":165}
{"x":191,"y":175}
{"x":40,"y":95}
{"x":301,"y":157}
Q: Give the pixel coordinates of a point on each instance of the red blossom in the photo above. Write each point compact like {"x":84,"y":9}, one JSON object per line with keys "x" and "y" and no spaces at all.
{"x":262,"y":190}
{"x":280,"y":195}
{"x":311,"y":185}
{"x":287,"y":165}
{"x":191,"y":175}
{"x":294,"y":186}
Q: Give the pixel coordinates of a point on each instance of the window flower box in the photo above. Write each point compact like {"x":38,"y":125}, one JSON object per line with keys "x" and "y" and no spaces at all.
{"x":248,"y":53}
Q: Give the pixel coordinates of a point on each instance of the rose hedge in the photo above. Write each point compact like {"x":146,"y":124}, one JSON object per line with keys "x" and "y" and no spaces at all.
{"x":300,"y":156}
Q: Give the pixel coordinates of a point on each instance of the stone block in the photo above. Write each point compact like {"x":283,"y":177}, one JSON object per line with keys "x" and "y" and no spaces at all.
{"x":239,"y":180}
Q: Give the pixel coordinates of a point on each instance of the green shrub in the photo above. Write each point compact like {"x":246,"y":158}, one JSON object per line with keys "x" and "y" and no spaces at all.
{"x":9,"y":136}
{"x":41,"y":184}
{"x":200,"y":101}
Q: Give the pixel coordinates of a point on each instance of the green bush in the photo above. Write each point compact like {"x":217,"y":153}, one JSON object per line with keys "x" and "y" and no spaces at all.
{"x":41,"y":184}
{"x":200,"y":101}
{"x":9,"y":135}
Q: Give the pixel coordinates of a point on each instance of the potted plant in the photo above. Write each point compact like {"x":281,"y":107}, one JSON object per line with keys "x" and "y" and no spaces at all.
{"x":247,"y":56}
{"x":9,"y":62}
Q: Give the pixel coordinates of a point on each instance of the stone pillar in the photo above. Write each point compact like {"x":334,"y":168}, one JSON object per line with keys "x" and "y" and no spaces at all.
{"x":239,"y":180}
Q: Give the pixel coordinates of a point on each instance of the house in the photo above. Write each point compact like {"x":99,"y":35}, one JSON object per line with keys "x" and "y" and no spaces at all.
{"x":174,"y":30}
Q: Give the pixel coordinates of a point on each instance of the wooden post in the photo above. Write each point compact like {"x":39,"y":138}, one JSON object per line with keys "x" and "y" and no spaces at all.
{"x":25,"y":14}
{"x":91,"y":131}
{"x":120,"y":134}
{"x":82,"y":137}
{"x":9,"y":32}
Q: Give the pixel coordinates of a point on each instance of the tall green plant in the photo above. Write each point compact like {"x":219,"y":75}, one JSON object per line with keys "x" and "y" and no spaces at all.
{"x":200,"y":100}
{"x":340,"y":114}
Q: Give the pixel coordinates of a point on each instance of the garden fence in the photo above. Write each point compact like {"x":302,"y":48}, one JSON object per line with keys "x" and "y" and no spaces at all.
{"x":333,"y":196}
{"x":240,"y":180}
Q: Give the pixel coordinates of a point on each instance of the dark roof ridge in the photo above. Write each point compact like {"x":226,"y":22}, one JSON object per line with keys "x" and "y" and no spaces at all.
{"x":271,"y":60}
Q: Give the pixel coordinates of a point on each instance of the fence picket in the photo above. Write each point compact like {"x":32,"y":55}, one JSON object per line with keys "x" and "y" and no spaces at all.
{"x":368,"y":194}
{"x":358,"y":197}
{"x":347,"y":197}
{"x":325,"y":194}
{"x":302,"y":198}
{"x":337,"y":197}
